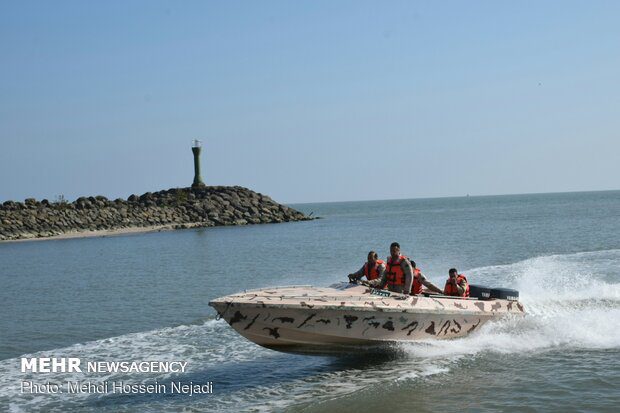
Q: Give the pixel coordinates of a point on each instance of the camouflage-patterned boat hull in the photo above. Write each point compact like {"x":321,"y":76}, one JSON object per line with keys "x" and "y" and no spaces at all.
{"x":289,"y":318}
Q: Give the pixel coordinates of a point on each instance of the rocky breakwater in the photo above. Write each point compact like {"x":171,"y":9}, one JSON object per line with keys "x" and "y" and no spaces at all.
{"x":170,"y":209}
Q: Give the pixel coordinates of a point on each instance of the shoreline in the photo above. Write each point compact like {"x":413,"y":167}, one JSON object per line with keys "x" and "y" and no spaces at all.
{"x":101,"y":233}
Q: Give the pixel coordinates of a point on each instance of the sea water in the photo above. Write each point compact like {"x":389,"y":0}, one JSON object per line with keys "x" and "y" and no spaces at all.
{"x":144,"y":298}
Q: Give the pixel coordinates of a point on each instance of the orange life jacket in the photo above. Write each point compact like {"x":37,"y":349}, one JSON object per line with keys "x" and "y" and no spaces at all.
{"x":416,"y":288}
{"x":395,"y":273}
{"x":449,"y":289}
{"x":372,"y":273}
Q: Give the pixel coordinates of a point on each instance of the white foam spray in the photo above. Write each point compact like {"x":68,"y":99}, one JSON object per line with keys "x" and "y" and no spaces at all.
{"x":572,"y":301}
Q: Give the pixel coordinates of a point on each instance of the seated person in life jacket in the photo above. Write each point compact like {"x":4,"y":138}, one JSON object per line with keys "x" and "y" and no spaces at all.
{"x":456,"y":285}
{"x":398,"y":276}
{"x":373,"y":268}
{"x":420,"y":280}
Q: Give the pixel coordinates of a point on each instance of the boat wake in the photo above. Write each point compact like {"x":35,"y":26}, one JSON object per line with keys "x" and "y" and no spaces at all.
{"x":572,"y":302}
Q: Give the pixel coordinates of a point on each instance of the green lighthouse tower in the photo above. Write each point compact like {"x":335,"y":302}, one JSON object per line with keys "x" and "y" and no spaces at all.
{"x":196,"y":147}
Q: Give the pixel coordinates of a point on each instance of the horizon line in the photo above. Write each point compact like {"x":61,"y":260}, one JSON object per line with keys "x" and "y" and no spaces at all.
{"x":356,"y":200}
{"x":454,"y":196}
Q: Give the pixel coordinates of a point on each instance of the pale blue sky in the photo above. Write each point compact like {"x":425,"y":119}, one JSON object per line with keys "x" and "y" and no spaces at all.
{"x":309,"y":100}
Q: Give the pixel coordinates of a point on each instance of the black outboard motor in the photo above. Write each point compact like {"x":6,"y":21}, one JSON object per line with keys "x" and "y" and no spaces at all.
{"x":480,"y":292}
{"x":505,"y":294}
{"x":485,"y":293}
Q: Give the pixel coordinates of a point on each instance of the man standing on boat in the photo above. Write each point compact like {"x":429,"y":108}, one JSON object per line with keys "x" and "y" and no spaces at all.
{"x":373,"y":269}
{"x":398,"y":275}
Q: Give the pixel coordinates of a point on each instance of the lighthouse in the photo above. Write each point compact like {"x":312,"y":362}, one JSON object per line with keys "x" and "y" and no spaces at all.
{"x":196,"y":148}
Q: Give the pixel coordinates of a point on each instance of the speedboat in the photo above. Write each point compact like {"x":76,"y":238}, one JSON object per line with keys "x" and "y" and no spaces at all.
{"x":305,"y":318}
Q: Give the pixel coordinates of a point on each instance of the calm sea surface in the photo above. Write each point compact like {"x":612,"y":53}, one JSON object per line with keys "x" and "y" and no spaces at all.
{"x":144,"y":297}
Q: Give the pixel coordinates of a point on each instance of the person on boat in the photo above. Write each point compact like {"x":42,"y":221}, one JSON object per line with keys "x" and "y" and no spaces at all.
{"x":420,"y":280}
{"x":456,"y":285}
{"x":373,"y":268}
{"x":398,"y":276}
